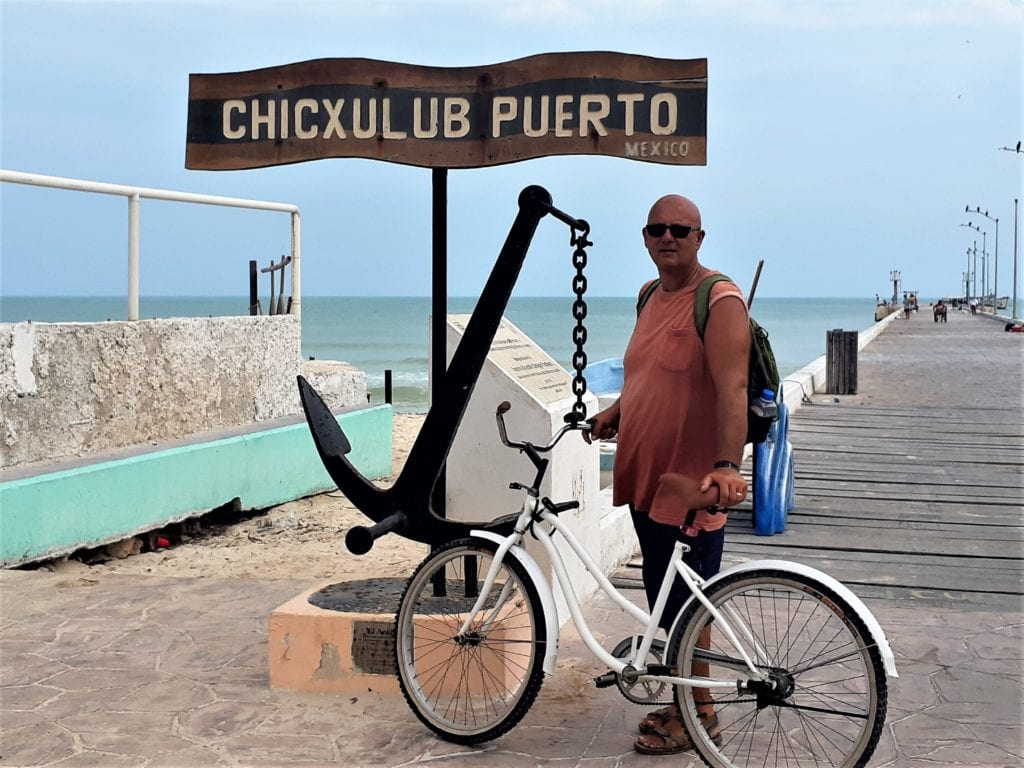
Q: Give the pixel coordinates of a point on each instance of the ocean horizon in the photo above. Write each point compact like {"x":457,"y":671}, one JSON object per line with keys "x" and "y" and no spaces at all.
{"x":381,"y":333}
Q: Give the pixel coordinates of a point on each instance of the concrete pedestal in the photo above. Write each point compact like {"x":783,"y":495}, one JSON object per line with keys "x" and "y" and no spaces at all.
{"x":337,"y":638}
{"x":340,"y":638}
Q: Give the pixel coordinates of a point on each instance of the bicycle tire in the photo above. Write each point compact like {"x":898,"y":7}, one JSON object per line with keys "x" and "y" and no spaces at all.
{"x":832,"y":706}
{"x":475,"y":688}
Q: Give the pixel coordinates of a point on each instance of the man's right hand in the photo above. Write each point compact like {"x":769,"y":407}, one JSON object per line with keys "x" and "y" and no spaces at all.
{"x":604,"y":426}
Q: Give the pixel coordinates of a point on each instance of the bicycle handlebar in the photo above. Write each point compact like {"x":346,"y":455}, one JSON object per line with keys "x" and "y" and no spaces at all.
{"x":499,"y":414}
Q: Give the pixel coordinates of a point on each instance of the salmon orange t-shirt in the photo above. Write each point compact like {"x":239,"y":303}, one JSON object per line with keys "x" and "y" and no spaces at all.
{"x":668,"y":407}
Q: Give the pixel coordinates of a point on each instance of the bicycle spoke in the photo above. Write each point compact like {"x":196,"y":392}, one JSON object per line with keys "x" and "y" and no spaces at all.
{"x":821,"y":697}
{"x":473,"y":686}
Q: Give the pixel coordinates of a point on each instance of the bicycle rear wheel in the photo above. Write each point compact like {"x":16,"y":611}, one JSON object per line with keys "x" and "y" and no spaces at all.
{"x":826,"y":703}
{"x":472,"y":687}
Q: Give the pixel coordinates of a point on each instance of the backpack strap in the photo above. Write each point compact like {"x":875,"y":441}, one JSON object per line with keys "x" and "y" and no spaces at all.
{"x":646,"y":292}
{"x":701,"y":303}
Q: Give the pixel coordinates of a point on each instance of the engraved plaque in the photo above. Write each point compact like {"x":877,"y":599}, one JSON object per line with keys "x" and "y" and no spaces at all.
{"x":373,"y":647}
{"x":524,"y":362}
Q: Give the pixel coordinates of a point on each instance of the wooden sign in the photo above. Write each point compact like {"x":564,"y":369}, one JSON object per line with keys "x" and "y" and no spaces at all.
{"x":614,"y":104}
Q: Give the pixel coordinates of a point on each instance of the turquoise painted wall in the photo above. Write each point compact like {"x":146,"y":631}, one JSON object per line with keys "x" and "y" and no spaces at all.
{"x":58,"y":512}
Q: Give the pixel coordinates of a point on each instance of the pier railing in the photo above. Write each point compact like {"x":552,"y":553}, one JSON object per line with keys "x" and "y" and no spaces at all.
{"x":135,"y":194}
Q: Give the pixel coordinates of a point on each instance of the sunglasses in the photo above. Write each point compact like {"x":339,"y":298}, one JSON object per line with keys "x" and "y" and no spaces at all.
{"x":679,"y":231}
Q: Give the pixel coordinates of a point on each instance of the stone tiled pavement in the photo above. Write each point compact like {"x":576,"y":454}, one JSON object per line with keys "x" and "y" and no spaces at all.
{"x":159,"y":671}
{"x":108,"y":670}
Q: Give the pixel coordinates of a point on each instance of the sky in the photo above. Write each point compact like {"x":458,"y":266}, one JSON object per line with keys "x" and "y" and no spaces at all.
{"x":845,"y":139}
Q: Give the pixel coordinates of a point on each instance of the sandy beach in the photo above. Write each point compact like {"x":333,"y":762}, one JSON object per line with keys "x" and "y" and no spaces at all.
{"x":301,"y":539}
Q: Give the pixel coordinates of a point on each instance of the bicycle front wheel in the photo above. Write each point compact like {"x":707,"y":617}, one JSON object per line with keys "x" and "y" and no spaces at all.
{"x":472,"y":686}
{"x":823,"y":700}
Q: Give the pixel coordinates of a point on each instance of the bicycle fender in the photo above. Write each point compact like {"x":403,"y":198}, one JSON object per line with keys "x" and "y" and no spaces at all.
{"x":877,"y":633}
{"x":547,"y":599}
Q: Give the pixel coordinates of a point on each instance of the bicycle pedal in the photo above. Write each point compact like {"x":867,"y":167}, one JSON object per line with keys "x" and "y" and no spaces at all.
{"x":607,"y":680}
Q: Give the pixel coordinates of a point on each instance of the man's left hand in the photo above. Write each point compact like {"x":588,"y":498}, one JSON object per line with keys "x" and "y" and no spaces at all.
{"x":732,"y":486}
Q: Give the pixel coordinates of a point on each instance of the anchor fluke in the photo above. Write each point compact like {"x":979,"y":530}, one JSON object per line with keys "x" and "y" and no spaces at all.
{"x":330,"y":438}
{"x":332,"y":445}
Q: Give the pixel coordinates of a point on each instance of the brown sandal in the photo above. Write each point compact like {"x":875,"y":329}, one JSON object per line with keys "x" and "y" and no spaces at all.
{"x":674,"y":738}
{"x":658,"y":718}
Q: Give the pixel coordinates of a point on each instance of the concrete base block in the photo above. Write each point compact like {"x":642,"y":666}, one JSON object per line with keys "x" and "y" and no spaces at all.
{"x":320,"y":642}
{"x":312,"y":648}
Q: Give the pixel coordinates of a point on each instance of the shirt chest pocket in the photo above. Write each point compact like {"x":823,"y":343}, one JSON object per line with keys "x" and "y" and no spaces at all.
{"x":678,"y":349}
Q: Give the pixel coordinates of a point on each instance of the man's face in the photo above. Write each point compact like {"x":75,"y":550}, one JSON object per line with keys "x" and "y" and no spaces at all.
{"x":668,"y":251}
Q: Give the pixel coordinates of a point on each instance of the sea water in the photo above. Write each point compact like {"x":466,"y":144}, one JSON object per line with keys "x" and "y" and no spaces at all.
{"x":392,"y":333}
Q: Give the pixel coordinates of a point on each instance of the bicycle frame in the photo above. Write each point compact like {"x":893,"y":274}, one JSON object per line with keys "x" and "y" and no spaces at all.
{"x":512,"y":543}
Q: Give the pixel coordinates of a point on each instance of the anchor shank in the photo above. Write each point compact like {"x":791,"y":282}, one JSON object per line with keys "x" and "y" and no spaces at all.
{"x":430,"y":451}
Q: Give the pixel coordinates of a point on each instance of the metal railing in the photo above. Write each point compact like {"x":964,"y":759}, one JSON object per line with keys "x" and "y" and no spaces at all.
{"x":135,"y":194}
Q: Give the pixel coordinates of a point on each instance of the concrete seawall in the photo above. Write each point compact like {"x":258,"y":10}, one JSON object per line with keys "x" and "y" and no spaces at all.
{"x":82,"y":389}
{"x":116,"y":428}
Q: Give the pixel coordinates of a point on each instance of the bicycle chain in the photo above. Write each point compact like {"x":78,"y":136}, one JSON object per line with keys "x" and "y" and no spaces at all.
{"x":579,"y":331}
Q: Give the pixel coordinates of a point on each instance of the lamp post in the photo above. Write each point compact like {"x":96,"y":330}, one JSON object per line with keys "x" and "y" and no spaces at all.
{"x":1015,"y":227}
{"x":984,"y":253}
{"x":968,"y":275}
{"x":894,"y":275}
{"x":974,"y":270}
{"x":995,"y":268}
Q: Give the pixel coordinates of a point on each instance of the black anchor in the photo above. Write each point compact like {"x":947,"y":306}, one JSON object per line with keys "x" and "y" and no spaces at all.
{"x":405,"y":508}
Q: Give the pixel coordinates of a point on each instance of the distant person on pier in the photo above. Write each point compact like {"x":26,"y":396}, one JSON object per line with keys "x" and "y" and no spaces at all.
{"x":683,"y":410}
{"x":974,"y":306}
{"x":939,"y":312}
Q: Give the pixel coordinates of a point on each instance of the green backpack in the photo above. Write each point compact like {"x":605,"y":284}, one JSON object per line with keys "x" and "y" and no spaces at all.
{"x":762,"y":372}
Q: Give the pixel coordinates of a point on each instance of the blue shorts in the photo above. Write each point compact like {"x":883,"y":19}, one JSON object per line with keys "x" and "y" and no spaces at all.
{"x":657,"y":542}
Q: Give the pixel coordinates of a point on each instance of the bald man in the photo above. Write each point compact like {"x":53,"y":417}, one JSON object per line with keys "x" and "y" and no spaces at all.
{"x":682,"y":410}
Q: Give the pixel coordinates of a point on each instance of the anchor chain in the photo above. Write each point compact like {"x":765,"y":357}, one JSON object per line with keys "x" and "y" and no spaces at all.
{"x":579,"y":312}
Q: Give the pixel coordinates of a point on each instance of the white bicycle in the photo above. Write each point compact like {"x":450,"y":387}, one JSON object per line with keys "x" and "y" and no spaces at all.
{"x":796,"y":665}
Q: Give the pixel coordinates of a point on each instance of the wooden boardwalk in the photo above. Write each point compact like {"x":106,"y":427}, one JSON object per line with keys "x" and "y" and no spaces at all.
{"x":914,"y":487}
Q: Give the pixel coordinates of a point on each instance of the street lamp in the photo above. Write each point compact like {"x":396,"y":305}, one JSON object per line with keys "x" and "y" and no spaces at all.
{"x":969,"y":275}
{"x":984,"y":253}
{"x":995,"y":269}
{"x":1015,"y":228}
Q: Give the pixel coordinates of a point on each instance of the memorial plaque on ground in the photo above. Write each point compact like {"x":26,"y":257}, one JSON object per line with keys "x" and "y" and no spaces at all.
{"x":523,"y":361}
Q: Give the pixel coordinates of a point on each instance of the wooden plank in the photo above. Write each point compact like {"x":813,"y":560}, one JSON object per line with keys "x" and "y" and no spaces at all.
{"x":878,"y":540}
{"x":994,"y":494}
{"x":977,"y":575}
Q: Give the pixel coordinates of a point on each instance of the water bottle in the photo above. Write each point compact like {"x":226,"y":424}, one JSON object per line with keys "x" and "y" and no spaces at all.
{"x":764,"y":405}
